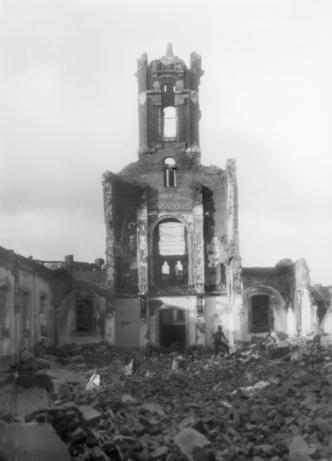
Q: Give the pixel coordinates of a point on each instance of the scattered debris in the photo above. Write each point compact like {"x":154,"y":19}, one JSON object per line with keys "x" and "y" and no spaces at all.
{"x":262,"y":408}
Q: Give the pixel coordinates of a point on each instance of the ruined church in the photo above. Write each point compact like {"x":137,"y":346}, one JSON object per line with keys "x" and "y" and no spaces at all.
{"x":172,"y":236}
{"x":173,"y":269}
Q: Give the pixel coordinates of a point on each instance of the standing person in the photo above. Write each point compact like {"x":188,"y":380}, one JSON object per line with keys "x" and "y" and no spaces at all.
{"x":218,"y":341}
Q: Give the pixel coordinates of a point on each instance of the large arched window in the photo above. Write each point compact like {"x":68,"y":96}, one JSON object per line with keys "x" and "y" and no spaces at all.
{"x":26,"y":310}
{"x":4,"y":310}
{"x":170,"y":253}
{"x":169,"y":130}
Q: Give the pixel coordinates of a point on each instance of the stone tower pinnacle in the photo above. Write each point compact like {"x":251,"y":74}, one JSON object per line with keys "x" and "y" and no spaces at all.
{"x":169,"y":51}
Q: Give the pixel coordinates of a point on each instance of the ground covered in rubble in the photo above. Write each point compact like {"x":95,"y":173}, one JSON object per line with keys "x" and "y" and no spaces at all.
{"x":271,"y":400}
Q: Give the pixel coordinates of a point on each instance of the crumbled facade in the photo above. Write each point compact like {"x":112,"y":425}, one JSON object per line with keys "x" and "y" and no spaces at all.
{"x":53,"y":301}
{"x":169,"y":199}
{"x":278,"y":298}
{"x":172,"y":240}
{"x":173,"y":267}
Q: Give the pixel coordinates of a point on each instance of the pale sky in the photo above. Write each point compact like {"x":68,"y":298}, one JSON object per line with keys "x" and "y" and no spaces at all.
{"x":68,"y":112}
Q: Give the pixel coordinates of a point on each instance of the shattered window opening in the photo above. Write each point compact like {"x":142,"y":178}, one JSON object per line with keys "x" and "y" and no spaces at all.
{"x":171,"y":238}
{"x":170,"y":253}
{"x":4,"y":309}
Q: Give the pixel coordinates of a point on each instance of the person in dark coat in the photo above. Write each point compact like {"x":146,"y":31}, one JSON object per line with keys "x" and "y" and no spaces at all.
{"x":194,"y":348}
{"x":218,"y":341}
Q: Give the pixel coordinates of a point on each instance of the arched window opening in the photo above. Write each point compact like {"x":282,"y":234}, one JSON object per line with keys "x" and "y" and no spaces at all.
{"x":4,"y":310}
{"x":85,"y":318}
{"x":179,"y":270}
{"x":260,"y":314}
{"x":26,"y":310}
{"x":169,"y":122}
{"x":170,"y":172}
{"x":42,"y":315}
{"x":170,"y":253}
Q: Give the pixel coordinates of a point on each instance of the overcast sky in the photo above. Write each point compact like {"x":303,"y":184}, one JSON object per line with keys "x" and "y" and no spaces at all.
{"x":68,"y":112}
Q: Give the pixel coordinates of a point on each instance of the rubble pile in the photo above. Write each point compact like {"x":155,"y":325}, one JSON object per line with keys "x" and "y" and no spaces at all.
{"x":272,"y":399}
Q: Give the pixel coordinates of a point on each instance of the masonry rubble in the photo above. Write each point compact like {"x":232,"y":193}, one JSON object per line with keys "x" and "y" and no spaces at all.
{"x":264,"y":408}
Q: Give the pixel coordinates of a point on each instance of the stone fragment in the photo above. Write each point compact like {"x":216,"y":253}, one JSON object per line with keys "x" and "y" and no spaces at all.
{"x":218,"y":387}
{"x":26,"y":355}
{"x":7,"y":395}
{"x":76,"y":359}
{"x":93,"y":383}
{"x":31,"y":399}
{"x":60,"y":373}
{"x":298,"y":449}
{"x":251,"y":390}
{"x":317,"y":336}
{"x":61,"y":387}
{"x":28,"y":360}
{"x":322,"y":425}
{"x":257,"y":339}
{"x":295,"y":354}
{"x":54,"y":365}
{"x":75,"y":350}
{"x":128,"y":398}
{"x":282,"y":335}
{"x":76,"y":367}
{"x":32,"y":442}
{"x":159,"y":452}
{"x":77,"y":435}
{"x":279,"y":352}
{"x":191,"y":419}
{"x":282,"y":344}
{"x":133,"y":425}
{"x":89,"y":414}
{"x":39,"y":349}
{"x":326,"y":341}
{"x":329,"y":378}
{"x":191,"y":444}
{"x":43,"y":363}
{"x":153,"y":408}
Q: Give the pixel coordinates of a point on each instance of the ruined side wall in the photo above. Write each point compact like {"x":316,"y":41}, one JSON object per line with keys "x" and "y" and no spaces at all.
{"x":277,"y":283}
{"x":302,"y":300}
{"x":20,"y":274}
{"x":66,"y":317}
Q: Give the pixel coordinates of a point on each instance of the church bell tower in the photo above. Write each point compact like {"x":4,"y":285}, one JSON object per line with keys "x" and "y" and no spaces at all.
{"x":168,"y":101}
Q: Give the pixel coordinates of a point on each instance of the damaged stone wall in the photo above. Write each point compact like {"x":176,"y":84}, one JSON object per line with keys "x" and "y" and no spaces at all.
{"x":290,"y":303}
{"x":202,"y":198}
{"x":26,"y":281}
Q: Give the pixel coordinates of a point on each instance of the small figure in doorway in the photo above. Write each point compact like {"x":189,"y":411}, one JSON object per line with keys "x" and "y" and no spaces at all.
{"x":218,"y":341}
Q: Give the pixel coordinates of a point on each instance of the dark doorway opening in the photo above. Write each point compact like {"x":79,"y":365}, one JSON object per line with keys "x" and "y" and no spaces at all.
{"x":172,"y":328}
